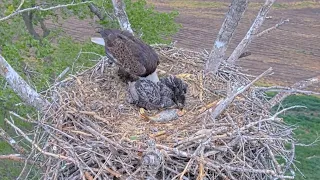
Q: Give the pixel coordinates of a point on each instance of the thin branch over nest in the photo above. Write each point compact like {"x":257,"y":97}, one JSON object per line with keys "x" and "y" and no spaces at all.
{"x":296,"y":88}
{"x":39,"y":8}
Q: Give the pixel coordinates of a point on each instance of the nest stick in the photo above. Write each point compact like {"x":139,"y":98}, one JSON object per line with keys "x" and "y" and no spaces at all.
{"x":5,"y":136}
{"x":227,"y":101}
{"x":59,"y":156}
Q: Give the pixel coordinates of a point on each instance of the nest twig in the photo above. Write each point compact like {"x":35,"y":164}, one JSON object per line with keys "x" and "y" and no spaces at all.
{"x":96,"y":134}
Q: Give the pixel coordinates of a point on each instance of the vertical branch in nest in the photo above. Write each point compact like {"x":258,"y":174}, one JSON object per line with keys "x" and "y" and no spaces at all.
{"x":236,"y":11}
{"x":119,"y":10}
{"x":252,"y":32}
{"x":299,"y":85}
{"x":227,"y":101}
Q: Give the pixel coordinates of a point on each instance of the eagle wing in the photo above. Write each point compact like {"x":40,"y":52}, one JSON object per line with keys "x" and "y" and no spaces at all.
{"x":130,"y":53}
{"x":148,"y":52}
{"x":125,"y":51}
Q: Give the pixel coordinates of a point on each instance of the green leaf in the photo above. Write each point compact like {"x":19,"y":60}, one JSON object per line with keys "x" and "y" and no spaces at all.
{"x":9,"y":10}
{"x":133,"y":138}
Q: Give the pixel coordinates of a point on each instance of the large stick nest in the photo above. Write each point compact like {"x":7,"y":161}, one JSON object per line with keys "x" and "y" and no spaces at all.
{"x":95,"y":133}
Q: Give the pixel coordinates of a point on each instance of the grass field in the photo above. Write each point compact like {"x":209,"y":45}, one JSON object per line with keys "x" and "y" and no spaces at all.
{"x":308,"y":122}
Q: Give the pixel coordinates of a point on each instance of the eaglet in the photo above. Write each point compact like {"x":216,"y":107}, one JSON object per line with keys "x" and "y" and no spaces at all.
{"x":168,"y":92}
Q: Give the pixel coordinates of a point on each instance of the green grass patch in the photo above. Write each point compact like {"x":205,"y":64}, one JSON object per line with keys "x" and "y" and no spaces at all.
{"x":308,"y":122}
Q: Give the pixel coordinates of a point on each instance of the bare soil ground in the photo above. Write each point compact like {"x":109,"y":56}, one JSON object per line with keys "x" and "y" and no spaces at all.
{"x":293,"y":50}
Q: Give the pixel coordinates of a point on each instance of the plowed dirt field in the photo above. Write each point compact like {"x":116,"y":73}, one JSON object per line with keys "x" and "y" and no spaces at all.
{"x":293,"y":50}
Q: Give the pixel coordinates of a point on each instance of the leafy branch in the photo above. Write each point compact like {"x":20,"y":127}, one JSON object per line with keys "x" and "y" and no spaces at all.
{"x":40,"y":8}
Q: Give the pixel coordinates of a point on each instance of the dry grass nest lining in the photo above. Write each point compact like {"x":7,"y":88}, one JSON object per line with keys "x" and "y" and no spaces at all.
{"x":99,"y":135}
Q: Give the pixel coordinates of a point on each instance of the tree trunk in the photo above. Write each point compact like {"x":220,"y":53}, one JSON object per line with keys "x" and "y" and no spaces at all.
{"x":27,"y":18}
{"x":228,"y":27}
{"x":21,"y":88}
{"x":119,"y":10}
{"x":252,"y":32}
{"x":96,"y":11}
{"x":44,"y":28}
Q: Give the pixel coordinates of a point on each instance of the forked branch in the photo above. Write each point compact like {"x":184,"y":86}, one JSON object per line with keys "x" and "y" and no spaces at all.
{"x":252,"y":32}
{"x":272,"y":28}
{"x":58,"y":156}
{"x":228,"y":27}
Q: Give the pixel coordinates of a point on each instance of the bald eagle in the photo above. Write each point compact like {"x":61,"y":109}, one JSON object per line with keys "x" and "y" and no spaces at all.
{"x":136,"y":60}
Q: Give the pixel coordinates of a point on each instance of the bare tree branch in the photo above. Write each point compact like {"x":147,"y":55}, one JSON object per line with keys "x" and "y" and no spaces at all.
{"x":272,"y":28}
{"x":286,"y":89}
{"x":252,"y":32}
{"x":21,"y":87}
{"x":299,"y":85}
{"x":59,"y":156}
{"x":225,"y":103}
{"x":20,"y":5}
{"x":44,"y":28}
{"x":228,"y":27}
{"x":119,"y":10}
{"x":96,"y":11}
{"x":5,"y":136}
{"x":39,"y":8}
{"x":13,"y":157}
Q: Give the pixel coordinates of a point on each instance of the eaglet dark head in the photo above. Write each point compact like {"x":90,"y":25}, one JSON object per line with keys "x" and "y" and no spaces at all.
{"x":178,"y":88}
{"x":136,"y":60}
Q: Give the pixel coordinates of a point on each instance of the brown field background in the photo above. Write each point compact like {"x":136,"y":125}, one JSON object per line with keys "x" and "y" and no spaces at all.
{"x":293,"y":50}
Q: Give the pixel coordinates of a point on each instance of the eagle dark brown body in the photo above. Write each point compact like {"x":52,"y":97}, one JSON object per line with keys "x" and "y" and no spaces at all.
{"x":134,"y":57}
